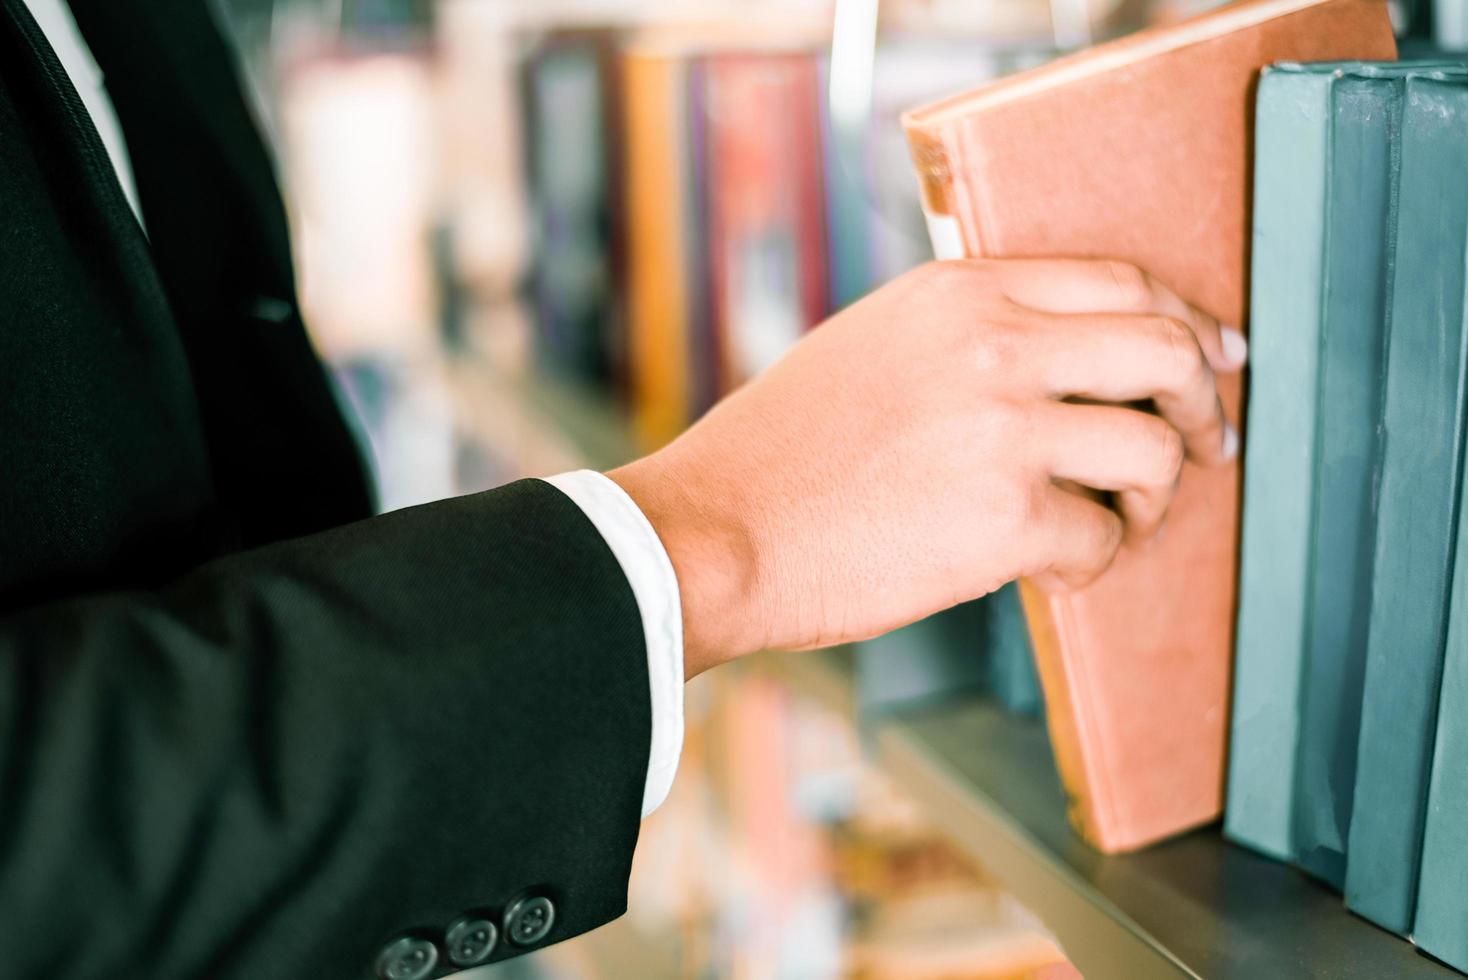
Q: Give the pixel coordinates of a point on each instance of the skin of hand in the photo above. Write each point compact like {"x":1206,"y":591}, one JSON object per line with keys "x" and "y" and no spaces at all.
{"x":932,"y":442}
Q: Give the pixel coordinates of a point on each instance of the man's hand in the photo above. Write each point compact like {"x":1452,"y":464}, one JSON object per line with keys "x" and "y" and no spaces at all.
{"x":929,"y":444}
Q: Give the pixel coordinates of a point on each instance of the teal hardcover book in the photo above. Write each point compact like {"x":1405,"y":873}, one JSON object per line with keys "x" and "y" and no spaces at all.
{"x":1291,"y":130}
{"x":1360,"y":228}
{"x":1421,"y":456}
{"x":1441,"y":923}
{"x":979,"y":646}
{"x":1364,"y":112}
{"x":1010,"y":656}
{"x":569,"y":156}
{"x":925,"y":662}
{"x":1441,"y":926}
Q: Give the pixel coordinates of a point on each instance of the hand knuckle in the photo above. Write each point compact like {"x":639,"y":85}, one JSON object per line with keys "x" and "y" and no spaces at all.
{"x":1185,"y":357}
{"x":1168,"y":450}
{"x":1108,"y":531}
{"x":996,"y":347}
{"x":1132,"y":284}
{"x":1003,"y":422}
{"x":951,"y":274}
{"x":1034,"y":505}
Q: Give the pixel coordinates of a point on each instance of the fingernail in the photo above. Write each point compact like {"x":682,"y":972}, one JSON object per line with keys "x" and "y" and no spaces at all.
{"x":1235,"y":347}
{"x":1230,"y":441}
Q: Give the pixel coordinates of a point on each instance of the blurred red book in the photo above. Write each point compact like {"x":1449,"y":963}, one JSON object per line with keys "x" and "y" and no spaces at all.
{"x":764,"y":205}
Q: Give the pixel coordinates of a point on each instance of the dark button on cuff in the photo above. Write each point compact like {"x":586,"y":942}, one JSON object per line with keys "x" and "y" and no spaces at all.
{"x":408,"y":958}
{"x":470,"y":940}
{"x":529,"y":920}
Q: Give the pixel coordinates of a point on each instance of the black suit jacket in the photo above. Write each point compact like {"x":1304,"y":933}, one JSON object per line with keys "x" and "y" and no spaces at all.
{"x":245,"y":730}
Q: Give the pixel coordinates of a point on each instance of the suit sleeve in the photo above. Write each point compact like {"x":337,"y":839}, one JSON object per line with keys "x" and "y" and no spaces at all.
{"x":316,"y":758}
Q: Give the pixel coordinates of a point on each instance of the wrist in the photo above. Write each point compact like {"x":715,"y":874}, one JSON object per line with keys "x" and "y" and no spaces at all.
{"x":712,"y":552}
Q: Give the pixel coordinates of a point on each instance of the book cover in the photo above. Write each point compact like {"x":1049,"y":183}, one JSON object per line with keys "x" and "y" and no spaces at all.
{"x":924,"y":662}
{"x":655,"y":185}
{"x":1365,"y":114}
{"x":1421,"y":452}
{"x":705,"y":358}
{"x":1008,"y":653}
{"x":766,"y":215}
{"x":1137,"y":150}
{"x":570,"y":106}
{"x":975,"y":646}
{"x":1291,"y":168}
{"x":1440,"y":924}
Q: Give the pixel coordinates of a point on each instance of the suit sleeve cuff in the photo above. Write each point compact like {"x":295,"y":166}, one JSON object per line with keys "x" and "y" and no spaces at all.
{"x":645,"y":562}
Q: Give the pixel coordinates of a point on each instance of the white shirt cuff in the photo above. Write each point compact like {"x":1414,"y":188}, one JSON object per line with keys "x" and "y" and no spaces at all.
{"x":645,"y":563}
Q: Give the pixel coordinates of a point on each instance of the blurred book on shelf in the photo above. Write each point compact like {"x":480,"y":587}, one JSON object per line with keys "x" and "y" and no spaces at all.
{"x":661,"y":261}
{"x":764,"y":216}
{"x":1450,"y":24}
{"x":979,"y":647}
{"x":481,"y":133}
{"x":1001,"y":20}
{"x":360,"y":160}
{"x":570,"y":87}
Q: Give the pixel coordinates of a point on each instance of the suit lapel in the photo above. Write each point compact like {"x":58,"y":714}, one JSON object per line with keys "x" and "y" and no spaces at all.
{"x":37,"y":71}
{"x":202,"y":169}
{"x":284,"y":462}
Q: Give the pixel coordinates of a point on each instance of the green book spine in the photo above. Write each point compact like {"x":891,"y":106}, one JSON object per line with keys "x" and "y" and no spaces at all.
{"x":1366,"y":117}
{"x":1417,"y":511}
{"x":1010,"y":656}
{"x":1441,"y":926}
{"x":926,"y":662}
{"x":569,"y":154}
{"x":1291,"y":151}
{"x":1359,"y":258}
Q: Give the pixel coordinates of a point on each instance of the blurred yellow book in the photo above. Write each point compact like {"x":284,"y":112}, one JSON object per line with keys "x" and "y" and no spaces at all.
{"x":654,"y":125}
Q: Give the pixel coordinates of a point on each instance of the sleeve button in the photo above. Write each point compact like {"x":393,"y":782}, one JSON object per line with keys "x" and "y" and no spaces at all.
{"x":407,"y":958}
{"x":529,"y":920}
{"x":471,"y":940}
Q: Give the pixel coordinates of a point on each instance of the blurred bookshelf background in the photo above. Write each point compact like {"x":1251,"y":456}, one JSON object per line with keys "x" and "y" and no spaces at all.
{"x":539,"y":236}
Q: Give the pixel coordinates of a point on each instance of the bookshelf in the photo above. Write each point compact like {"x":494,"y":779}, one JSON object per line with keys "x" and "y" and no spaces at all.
{"x":1196,"y":906}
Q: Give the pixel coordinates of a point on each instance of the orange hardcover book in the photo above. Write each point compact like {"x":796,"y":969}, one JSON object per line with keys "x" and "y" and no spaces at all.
{"x":1139,"y":150}
{"x":655,"y":172}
